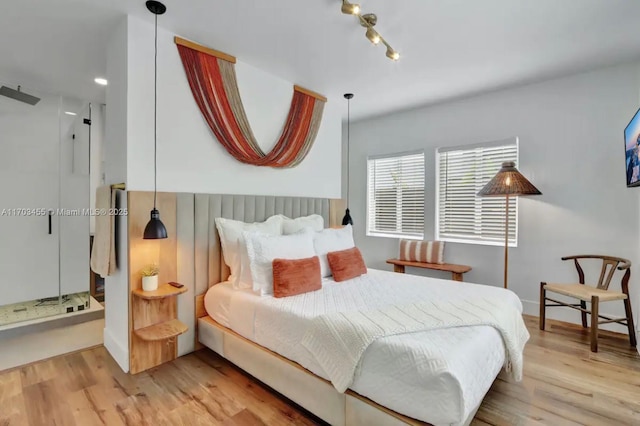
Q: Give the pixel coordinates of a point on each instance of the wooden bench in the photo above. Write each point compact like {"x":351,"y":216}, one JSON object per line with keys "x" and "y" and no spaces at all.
{"x":456,"y":270}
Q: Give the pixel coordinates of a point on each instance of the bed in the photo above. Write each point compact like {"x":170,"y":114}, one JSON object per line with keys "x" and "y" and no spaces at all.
{"x":431,"y":377}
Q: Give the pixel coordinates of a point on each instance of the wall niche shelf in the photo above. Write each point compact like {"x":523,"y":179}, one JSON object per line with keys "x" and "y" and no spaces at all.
{"x":163,"y":291}
{"x":162,"y":331}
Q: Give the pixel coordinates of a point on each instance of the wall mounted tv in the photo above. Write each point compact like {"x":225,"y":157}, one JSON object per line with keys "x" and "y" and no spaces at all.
{"x":632,"y":150}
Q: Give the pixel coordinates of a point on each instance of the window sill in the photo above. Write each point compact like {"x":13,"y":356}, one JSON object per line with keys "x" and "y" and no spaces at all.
{"x":397,"y":236}
{"x":476,"y":242}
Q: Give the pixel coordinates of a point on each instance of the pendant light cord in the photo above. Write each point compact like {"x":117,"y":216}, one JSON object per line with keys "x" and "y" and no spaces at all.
{"x":348,"y":145}
{"x":155,"y":117}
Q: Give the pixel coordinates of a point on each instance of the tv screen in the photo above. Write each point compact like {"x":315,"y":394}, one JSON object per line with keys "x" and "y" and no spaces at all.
{"x":632,"y":150}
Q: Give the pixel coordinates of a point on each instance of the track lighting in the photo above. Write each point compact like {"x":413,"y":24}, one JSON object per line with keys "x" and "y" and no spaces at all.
{"x":392,"y":54}
{"x":350,"y":8}
{"x":373,"y":36}
{"x":369,"y":20}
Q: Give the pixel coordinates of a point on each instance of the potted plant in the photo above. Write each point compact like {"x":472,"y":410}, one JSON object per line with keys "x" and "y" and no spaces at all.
{"x":150,"y":277}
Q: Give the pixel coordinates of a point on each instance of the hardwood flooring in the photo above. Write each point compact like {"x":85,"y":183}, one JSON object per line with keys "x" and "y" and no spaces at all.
{"x":564,"y":384}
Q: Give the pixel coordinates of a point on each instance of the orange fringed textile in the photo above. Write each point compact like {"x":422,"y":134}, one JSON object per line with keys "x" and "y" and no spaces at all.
{"x":215,"y":90}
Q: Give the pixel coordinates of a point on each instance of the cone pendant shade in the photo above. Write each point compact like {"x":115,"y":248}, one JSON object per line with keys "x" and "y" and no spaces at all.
{"x":346,"y":220}
{"x":155,"y":229}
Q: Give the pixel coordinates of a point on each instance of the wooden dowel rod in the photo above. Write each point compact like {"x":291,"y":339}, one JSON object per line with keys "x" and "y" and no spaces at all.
{"x":310,"y":93}
{"x":204,"y":49}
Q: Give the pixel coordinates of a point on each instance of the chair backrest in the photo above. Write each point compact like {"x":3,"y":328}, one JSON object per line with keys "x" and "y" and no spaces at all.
{"x":609,"y":266}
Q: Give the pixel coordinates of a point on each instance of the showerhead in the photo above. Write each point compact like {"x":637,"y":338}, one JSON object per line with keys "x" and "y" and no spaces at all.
{"x":18,"y":95}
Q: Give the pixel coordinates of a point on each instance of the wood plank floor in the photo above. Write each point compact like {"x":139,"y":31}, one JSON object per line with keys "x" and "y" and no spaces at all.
{"x":564,"y":384}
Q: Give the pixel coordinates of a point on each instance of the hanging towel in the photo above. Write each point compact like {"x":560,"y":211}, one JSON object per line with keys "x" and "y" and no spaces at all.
{"x":103,"y":255}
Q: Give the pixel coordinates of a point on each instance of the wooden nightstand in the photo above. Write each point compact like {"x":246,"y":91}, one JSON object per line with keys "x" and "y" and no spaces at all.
{"x":155,"y":327}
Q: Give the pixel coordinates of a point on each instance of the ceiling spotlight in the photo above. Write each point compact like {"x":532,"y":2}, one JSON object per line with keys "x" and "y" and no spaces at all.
{"x":369,"y":21}
{"x":373,"y":36}
{"x":101,"y":81}
{"x":70,"y":113}
{"x":350,"y":8}
{"x":392,"y":54}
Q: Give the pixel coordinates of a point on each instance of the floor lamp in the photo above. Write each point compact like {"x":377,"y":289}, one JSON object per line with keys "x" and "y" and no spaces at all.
{"x":508,"y":182}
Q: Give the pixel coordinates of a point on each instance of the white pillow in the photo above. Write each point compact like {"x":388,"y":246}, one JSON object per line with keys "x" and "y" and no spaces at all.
{"x":233,"y":244}
{"x":329,"y":240}
{"x":291,"y":226}
{"x":262,"y":249}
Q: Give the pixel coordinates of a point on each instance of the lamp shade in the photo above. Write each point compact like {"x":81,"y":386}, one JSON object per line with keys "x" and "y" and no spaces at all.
{"x":508,"y":181}
{"x":346,"y":220}
{"x":155,"y":229}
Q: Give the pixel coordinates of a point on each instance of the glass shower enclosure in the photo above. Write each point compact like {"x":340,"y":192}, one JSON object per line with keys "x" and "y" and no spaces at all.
{"x":44,"y":204}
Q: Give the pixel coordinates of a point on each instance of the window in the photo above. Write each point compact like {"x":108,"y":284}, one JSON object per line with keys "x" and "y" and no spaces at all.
{"x":461,"y":216}
{"x":395,"y":195}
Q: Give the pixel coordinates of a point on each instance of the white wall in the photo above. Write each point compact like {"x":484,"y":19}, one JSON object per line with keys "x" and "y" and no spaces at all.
{"x":116,"y":327}
{"x":189,"y":157}
{"x":571,"y":148}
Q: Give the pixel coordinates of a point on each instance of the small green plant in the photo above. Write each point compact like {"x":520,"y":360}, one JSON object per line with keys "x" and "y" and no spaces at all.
{"x":150,"y":271}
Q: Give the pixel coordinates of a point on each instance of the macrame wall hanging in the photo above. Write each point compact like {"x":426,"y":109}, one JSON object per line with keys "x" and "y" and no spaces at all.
{"x":212,"y":78}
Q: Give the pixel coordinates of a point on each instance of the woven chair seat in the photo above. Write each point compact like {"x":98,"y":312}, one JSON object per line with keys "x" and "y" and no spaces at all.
{"x":584,"y":292}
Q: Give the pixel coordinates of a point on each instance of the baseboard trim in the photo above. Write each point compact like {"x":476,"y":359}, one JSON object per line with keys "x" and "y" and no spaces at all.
{"x":532,"y":308}
{"x":118,"y":352}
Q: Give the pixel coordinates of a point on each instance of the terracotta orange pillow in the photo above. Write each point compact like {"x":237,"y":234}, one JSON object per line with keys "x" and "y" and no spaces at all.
{"x":346,"y":264}
{"x":296,"y":276}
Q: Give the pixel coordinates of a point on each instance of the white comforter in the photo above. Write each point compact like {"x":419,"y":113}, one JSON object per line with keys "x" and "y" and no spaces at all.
{"x":438,"y":376}
{"x":338,"y":340}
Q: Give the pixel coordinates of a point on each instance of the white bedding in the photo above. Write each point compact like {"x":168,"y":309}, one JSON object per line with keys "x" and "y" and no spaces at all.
{"x":438,"y":376}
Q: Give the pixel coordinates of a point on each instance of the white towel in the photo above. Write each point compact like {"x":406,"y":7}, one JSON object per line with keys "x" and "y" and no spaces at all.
{"x":103,"y":254}
{"x":338,"y":340}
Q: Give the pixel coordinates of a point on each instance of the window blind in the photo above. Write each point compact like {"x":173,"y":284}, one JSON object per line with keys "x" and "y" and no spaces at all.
{"x":395,"y":195}
{"x":463,"y":216}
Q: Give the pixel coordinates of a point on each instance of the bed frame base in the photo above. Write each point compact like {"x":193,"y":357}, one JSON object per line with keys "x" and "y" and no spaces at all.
{"x":314,"y":393}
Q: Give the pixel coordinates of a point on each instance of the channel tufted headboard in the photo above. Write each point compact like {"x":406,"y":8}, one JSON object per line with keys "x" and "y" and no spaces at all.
{"x":192,"y":255}
{"x":210,"y":268}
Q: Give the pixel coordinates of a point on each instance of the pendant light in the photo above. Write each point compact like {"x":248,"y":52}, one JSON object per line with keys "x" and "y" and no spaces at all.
{"x":155,"y":229}
{"x":346,"y":220}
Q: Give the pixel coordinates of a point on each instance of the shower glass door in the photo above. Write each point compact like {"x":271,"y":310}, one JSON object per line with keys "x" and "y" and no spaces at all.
{"x":39,"y":241}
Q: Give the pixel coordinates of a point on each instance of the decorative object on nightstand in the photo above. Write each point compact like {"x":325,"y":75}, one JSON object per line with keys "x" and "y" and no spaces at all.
{"x":150,"y":277}
{"x":155,"y":327}
{"x":508,"y":182}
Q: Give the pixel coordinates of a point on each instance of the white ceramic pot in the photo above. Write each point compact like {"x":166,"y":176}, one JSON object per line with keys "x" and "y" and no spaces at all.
{"x":150,"y":283}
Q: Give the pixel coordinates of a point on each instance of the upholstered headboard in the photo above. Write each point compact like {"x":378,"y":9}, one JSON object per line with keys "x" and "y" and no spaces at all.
{"x":210,"y":268}
{"x":191,"y":254}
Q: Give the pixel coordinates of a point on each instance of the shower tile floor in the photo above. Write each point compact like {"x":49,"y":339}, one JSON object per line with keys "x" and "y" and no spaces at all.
{"x":25,"y":311}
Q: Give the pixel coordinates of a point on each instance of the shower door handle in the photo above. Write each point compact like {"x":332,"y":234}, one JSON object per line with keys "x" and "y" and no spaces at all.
{"x":50,"y":224}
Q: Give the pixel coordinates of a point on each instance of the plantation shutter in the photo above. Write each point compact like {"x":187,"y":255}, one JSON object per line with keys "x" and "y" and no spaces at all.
{"x":395,"y":186}
{"x":462,"y":172}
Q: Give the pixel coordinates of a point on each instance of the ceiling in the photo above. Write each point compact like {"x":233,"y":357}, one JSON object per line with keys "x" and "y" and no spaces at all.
{"x":449,"y":48}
